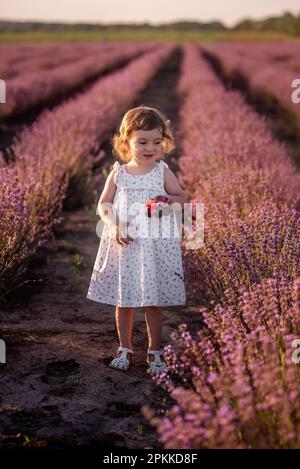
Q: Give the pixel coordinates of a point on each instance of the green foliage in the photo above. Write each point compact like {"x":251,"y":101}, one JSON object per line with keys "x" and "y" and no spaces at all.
{"x":286,"y":23}
{"x":78,"y":261}
{"x":274,"y":28}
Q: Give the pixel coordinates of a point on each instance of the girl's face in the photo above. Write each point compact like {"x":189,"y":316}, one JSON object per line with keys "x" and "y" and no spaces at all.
{"x":145,"y":145}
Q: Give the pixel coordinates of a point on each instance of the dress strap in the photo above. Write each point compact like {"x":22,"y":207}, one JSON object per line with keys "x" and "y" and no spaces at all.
{"x":162,"y":165}
{"x":116,"y":166}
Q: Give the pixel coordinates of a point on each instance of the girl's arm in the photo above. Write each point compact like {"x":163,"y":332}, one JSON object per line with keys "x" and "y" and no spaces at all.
{"x":107,"y":214}
{"x":106,"y":200}
{"x":174,"y":190}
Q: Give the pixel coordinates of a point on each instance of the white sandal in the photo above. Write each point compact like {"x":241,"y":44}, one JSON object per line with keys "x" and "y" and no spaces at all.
{"x":156,"y":366}
{"x":121,"y":363}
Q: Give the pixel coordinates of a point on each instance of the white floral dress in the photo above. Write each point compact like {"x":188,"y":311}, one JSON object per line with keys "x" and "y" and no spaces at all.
{"x":148,"y":271}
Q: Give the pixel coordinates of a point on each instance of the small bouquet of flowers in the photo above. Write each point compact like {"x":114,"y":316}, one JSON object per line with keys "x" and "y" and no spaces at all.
{"x":157,"y":206}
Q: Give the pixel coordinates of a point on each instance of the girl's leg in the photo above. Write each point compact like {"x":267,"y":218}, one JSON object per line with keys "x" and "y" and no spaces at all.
{"x":154,"y":323}
{"x":124,"y":322}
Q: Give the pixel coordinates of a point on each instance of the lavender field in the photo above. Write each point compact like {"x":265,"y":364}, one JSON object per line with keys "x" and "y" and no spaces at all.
{"x":233,"y":377}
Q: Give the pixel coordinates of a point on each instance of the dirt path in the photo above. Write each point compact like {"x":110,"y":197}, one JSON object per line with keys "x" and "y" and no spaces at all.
{"x":56,"y":385}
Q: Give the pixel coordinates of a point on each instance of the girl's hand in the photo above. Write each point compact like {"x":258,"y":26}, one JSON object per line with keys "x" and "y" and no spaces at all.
{"x":164,"y":198}
{"x":120,"y":233}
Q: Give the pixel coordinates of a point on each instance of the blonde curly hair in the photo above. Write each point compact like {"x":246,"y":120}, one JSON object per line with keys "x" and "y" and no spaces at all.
{"x":146,"y":118}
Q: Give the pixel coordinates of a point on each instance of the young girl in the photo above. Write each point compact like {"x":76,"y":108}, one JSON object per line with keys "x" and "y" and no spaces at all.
{"x":132,"y":271}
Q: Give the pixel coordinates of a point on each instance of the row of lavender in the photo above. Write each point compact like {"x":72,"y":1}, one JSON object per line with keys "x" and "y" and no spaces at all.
{"x":17,"y":59}
{"x":53,"y":151}
{"x":237,"y":382}
{"x":40,"y":86}
{"x":261,"y":53}
{"x":268,"y":67}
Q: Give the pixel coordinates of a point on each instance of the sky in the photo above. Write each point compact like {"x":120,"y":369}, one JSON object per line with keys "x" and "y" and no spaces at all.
{"x":151,"y":11}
